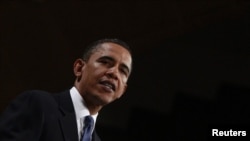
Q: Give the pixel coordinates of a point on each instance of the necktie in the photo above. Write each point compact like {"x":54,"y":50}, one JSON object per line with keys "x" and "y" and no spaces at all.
{"x":88,"y":125}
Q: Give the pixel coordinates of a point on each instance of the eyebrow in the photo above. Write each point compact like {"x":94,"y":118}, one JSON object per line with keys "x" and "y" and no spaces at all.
{"x":112,"y":59}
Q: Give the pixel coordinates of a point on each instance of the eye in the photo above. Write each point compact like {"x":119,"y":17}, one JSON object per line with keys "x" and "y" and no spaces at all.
{"x":104,"y":61}
{"x":124,"y":72}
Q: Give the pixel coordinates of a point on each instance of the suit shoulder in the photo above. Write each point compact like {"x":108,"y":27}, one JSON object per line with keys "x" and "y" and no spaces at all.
{"x":36,"y":97}
{"x":35,"y":93}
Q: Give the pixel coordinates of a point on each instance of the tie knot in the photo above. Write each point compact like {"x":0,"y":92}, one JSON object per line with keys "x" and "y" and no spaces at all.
{"x":89,"y":121}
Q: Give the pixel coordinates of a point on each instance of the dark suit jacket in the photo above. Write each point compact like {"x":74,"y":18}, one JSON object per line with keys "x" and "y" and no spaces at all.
{"x":40,"y":116}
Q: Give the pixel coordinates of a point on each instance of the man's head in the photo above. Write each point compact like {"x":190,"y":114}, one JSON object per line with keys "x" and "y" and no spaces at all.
{"x":103,"y":72}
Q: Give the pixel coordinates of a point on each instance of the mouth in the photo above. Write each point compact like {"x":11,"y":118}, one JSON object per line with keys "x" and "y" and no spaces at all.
{"x":108,"y":84}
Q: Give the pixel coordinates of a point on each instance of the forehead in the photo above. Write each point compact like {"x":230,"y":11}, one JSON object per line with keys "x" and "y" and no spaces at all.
{"x":115,"y":51}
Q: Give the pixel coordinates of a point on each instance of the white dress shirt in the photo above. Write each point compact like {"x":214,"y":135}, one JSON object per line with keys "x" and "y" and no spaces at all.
{"x":80,"y":110}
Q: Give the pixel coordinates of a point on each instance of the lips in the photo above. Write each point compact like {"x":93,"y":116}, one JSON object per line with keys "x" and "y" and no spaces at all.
{"x":108,"y":84}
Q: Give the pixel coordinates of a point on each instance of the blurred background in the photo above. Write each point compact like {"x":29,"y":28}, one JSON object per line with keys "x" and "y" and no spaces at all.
{"x":191,"y":60}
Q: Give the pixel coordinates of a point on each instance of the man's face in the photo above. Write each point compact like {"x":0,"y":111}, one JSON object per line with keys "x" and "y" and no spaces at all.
{"x":104,"y":76}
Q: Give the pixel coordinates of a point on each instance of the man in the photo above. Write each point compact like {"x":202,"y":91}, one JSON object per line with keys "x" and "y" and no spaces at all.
{"x":101,"y":77}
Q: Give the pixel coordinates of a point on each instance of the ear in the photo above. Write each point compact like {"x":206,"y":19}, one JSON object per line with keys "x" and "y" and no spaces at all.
{"x":78,"y":66}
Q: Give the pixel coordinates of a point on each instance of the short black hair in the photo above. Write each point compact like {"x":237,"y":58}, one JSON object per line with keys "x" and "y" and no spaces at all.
{"x":89,"y":50}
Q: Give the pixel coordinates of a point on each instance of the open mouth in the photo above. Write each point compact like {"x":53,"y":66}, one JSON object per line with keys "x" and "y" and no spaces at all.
{"x":108,"y":84}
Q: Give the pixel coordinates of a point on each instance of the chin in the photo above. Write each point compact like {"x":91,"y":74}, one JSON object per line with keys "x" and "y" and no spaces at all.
{"x":106,"y":101}
{"x":103,"y":100}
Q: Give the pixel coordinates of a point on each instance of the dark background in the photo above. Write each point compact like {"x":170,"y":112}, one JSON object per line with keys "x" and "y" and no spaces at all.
{"x":191,"y":60}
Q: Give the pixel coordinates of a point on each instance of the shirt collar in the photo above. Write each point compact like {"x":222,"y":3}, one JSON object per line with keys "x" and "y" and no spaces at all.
{"x":79,"y":105}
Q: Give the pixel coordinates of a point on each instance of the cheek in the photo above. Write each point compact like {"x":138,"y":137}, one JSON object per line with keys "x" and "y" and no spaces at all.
{"x":97,"y":70}
{"x":122,"y":88}
{"x":93,"y":72}
{"x":123,"y":79}
{"x":120,"y":93}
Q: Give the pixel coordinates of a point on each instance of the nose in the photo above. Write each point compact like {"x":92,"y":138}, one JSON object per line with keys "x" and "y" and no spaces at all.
{"x":113,"y":72}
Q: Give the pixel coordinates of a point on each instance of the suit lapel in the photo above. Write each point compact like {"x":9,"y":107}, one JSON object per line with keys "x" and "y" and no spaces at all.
{"x":69,"y":127}
{"x":68,"y":119}
{"x":95,"y":137}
